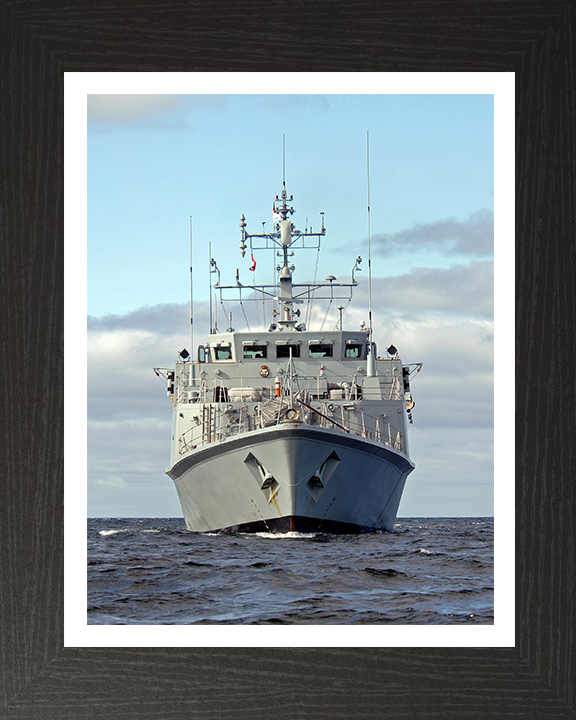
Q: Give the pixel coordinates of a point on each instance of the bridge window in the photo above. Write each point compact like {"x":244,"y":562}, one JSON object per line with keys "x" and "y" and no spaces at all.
{"x":283,"y":351}
{"x":353,"y":351}
{"x":223,"y":352}
{"x":254,"y":351}
{"x":320,"y":350}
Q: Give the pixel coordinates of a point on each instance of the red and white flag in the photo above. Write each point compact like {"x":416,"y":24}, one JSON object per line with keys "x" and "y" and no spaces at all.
{"x":253,"y":266}
{"x":276,"y":217}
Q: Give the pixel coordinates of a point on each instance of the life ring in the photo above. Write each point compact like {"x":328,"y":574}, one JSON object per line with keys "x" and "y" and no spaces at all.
{"x":264,"y":371}
{"x":292,"y":414}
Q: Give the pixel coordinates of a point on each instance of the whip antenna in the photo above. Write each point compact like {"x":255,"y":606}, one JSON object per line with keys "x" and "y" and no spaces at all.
{"x":210,"y":281}
{"x":283,"y":159}
{"x":370,"y":364}
{"x":191,"y":295}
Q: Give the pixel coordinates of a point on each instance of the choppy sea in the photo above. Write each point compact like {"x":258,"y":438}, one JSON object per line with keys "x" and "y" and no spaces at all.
{"x":429,"y":571}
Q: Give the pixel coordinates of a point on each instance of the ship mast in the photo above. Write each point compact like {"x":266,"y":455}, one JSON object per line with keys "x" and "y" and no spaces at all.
{"x":285,"y":297}
{"x":281,"y":239}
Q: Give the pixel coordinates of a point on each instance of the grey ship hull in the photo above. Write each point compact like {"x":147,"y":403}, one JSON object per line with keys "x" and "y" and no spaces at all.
{"x":291,"y":477}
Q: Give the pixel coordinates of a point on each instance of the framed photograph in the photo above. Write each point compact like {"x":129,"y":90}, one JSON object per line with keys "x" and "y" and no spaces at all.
{"x":55,"y":662}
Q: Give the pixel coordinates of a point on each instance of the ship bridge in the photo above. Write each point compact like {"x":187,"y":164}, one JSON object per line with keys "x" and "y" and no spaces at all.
{"x":247,"y":348}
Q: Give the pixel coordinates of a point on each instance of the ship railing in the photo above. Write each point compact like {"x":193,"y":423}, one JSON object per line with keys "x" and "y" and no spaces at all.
{"x":361,"y":424}
{"x":395,"y":391}
{"x":186,"y":442}
{"x":381,"y":431}
{"x":247,"y":389}
{"x":242,"y":389}
{"x":218,"y":421}
{"x":192,"y":391}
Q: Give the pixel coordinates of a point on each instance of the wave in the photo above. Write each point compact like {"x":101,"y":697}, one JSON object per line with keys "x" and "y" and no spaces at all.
{"x":112,"y":532}
{"x":387,"y":572}
{"x":282,"y":536}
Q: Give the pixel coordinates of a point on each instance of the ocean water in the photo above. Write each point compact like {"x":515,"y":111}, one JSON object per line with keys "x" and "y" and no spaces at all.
{"x":429,"y":571}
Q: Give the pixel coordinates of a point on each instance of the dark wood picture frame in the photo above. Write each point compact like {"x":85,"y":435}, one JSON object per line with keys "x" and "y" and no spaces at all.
{"x":40,"y":41}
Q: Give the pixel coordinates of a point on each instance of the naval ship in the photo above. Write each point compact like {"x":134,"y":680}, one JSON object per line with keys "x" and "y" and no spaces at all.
{"x":289,"y":429}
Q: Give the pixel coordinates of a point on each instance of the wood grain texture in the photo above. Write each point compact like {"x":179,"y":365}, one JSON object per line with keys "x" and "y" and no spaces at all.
{"x":40,"y":41}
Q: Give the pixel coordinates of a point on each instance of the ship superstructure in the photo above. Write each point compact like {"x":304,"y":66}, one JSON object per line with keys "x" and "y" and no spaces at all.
{"x":289,"y":429}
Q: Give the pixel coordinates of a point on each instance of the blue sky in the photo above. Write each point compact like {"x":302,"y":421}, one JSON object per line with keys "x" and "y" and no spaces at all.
{"x":216,"y":157}
{"x":156,"y":160}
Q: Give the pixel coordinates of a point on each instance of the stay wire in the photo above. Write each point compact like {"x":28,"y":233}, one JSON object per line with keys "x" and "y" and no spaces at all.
{"x":325,"y":316}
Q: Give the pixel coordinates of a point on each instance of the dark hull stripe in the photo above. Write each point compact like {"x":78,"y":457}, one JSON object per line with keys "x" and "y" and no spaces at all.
{"x":300,"y":524}
{"x":299,"y":431}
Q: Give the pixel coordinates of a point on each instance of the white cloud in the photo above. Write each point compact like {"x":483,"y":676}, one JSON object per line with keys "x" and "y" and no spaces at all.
{"x":163,"y":319}
{"x":127,"y":459}
{"x":461,"y":289}
{"x":454,"y":473}
{"x":129,"y":108}
{"x":121,"y":382}
{"x":113,"y":482}
{"x":122,"y":109}
{"x":473,"y":236}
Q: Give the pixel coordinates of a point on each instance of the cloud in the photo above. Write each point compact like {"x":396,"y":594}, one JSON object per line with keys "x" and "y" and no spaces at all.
{"x":126,"y":110}
{"x":113,"y":482}
{"x":472,"y":236}
{"x":164,"y":319}
{"x":459,"y":290}
{"x":453,"y":476}
{"x":129,"y":108}
{"x":127,"y":457}
{"x":121,"y":381}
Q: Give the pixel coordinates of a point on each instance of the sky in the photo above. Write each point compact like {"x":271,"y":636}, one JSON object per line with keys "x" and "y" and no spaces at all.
{"x":167,"y":173}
